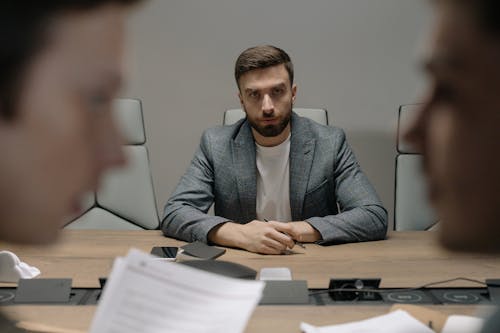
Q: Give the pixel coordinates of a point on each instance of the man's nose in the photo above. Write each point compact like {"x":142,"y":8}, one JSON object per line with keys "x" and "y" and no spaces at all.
{"x":113,"y":156}
{"x":110,"y":149}
{"x":415,"y":133}
{"x":267,"y":104}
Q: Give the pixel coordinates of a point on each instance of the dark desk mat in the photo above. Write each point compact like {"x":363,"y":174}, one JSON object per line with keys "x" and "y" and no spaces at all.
{"x":318,"y":297}
{"x":430,"y":296}
{"x":78,"y":296}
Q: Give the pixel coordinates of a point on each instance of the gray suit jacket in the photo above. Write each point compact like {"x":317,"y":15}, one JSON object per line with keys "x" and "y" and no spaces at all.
{"x":323,"y":172}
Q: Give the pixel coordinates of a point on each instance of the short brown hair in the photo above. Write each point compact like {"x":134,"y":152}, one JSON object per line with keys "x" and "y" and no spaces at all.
{"x":262,"y":57}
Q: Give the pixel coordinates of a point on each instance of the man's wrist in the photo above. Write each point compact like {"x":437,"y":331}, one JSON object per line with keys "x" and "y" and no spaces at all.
{"x":312,"y":235}
{"x":313,"y":223}
{"x":226,"y":234}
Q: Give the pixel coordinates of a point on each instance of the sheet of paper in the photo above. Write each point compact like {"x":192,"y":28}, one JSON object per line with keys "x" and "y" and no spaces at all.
{"x":463,"y":324}
{"x":394,"y":322}
{"x":145,"y":295}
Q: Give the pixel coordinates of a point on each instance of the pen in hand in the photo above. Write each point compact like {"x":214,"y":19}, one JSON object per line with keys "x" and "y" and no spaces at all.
{"x":296,"y":242}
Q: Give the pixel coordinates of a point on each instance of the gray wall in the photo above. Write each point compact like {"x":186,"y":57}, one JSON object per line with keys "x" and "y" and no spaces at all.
{"x":354,"y":57}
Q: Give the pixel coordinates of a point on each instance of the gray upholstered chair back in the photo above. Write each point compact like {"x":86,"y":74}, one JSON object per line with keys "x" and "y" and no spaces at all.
{"x":126,"y":198}
{"x":319,"y":115}
{"x":411,"y":208}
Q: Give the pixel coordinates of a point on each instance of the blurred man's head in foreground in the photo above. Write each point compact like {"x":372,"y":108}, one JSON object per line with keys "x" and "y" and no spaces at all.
{"x":458,"y":128}
{"x":61,"y":67}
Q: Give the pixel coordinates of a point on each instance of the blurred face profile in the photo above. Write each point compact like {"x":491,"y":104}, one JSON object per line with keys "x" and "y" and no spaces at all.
{"x":62,"y":137}
{"x":267,"y":98}
{"x":458,"y":129}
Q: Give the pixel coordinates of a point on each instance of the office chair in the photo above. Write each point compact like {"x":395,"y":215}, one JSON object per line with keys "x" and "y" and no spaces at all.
{"x":319,"y":115}
{"x":126,"y":199}
{"x":411,"y":208}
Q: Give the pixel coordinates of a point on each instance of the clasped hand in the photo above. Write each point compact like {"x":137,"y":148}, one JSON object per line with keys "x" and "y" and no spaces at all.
{"x":277,"y":237}
{"x":264,"y":237}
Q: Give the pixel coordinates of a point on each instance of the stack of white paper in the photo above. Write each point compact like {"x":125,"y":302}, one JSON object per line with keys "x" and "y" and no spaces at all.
{"x":145,"y":295}
{"x":399,"y":321}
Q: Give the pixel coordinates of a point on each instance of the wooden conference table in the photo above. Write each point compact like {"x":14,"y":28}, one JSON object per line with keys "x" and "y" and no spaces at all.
{"x":403,"y":260}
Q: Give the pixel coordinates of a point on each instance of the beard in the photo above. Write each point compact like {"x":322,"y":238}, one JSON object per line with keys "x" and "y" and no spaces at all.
{"x":271,"y":130}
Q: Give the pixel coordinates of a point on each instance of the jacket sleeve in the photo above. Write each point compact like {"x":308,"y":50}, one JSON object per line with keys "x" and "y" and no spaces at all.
{"x":362,"y":216}
{"x":185,"y":214}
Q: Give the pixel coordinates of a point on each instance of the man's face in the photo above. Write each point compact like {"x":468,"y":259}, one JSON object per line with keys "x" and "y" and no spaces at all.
{"x":63,"y":136}
{"x":267,"y":97}
{"x":458,"y":130}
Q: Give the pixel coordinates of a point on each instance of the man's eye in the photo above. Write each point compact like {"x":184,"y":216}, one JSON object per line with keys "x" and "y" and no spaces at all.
{"x":277,"y":92}
{"x":254,"y":95}
{"x":444,"y":93}
{"x":99,"y":102}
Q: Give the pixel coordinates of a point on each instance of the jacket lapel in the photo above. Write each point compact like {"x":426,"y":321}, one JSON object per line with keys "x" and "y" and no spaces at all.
{"x":245,"y":171}
{"x":301,"y":156}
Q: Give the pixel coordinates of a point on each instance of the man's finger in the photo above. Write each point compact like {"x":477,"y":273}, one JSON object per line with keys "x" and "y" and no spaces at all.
{"x":280,"y":247}
{"x":282,"y":227}
{"x":282,"y":238}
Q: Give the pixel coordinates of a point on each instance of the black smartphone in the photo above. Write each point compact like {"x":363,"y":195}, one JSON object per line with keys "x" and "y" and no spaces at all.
{"x":165,"y":251}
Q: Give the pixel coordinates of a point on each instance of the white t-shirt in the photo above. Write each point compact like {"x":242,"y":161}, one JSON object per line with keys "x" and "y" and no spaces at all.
{"x":273,"y":182}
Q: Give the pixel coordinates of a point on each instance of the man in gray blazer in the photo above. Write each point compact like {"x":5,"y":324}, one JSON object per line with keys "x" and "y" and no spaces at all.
{"x":275,"y":177}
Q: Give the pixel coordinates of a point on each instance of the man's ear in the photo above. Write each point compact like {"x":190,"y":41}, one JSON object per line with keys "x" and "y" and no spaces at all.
{"x":241,"y":100}
{"x":294,"y":93}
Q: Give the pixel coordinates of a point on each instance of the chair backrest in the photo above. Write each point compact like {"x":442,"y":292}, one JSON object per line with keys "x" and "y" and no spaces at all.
{"x":411,"y":208}
{"x":126,"y":198}
{"x":319,"y":115}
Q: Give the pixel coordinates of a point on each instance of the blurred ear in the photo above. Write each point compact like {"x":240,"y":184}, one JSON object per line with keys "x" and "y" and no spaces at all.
{"x":4,"y":118}
{"x":7,"y":113}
